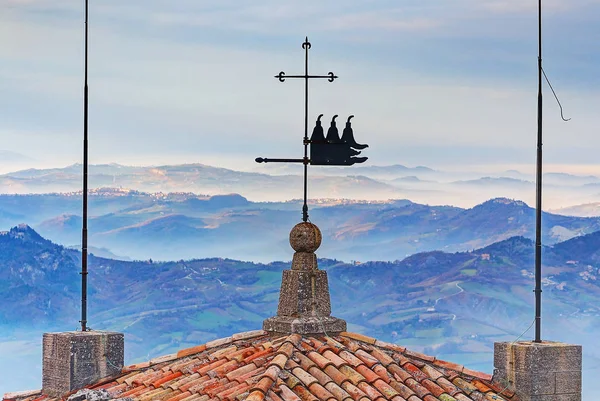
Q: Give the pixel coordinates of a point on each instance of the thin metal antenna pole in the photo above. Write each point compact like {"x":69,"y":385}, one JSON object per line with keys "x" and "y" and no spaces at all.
{"x":84,"y":245}
{"x":538,"y":210}
{"x":306,"y":46}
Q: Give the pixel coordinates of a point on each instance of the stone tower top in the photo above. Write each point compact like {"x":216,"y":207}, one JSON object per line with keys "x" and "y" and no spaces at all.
{"x":304,"y":301}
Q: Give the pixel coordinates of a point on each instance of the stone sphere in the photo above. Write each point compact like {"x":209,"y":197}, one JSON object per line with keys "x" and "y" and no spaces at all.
{"x":305,"y":237}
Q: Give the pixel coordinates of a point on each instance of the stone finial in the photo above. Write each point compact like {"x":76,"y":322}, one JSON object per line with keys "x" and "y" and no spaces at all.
{"x":304,"y":300}
{"x":305,"y":237}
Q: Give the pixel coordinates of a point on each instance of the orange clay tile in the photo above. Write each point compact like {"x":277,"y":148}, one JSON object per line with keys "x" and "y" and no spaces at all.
{"x":255,"y":366}
{"x":359,"y":337}
{"x":399,"y":373}
{"x":449,"y":365}
{"x":280,"y":360}
{"x":203,"y":369}
{"x":287,"y":395}
{"x":126,"y":376}
{"x":233,"y":391}
{"x":165,"y":379}
{"x":241,"y":354}
{"x":137,"y":366}
{"x":433,"y":387}
{"x":366,"y":358}
{"x":432,"y":372}
{"x":479,"y":375}
{"x":248,"y":335}
{"x":367,"y":373}
{"x":415,"y":372}
{"x":219,"y":342}
{"x":218,"y":353}
{"x":339,"y":393}
{"x":286,"y":349}
{"x":465,"y":386}
{"x":253,"y":374}
{"x":259,"y":354}
{"x":164,"y":358}
{"x":350,"y":358}
{"x":419,"y":390}
{"x":481,"y":387}
{"x":388,"y":391}
{"x":319,"y":359}
{"x":321,"y":376}
{"x":304,"y":394}
{"x":354,"y":391}
{"x":304,"y":361}
{"x":264,"y":384}
{"x":242,"y":370}
{"x":370,"y":391}
{"x":337,"y":376}
{"x":382,"y":372}
{"x":351,"y":344}
{"x":337,"y":361}
{"x":192,"y":383}
{"x":390,"y":346}
{"x":255,"y":396}
{"x":179,"y":396}
{"x":272,"y":396}
{"x":447,"y":386}
{"x":334,"y":344}
{"x":498,"y":388}
{"x":306,"y":378}
{"x":191,"y":351}
{"x":321,"y":392}
{"x":414,"y":354}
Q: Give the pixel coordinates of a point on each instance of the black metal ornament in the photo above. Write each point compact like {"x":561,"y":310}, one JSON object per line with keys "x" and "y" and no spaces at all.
{"x":330,"y":150}
{"x":333,"y":150}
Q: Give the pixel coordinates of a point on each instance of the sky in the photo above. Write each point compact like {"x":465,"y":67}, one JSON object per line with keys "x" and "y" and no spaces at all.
{"x":435,"y":83}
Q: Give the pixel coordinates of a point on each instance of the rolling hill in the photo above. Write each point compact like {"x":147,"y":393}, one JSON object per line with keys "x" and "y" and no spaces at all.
{"x":453,"y":305}
{"x":184,"y":226}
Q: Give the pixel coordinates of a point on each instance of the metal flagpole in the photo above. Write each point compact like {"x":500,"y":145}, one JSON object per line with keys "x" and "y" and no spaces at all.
{"x":538,"y":211}
{"x":84,"y":253}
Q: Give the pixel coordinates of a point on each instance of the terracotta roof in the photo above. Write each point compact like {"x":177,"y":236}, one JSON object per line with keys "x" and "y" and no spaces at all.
{"x":254,"y":366}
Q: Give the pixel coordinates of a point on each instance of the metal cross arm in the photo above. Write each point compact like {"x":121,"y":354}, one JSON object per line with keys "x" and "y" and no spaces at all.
{"x":265,"y":160}
{"x":330,"y":76}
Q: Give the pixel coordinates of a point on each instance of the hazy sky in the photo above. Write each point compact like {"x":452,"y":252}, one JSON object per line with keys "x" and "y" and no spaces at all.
{"x":433,"y":82}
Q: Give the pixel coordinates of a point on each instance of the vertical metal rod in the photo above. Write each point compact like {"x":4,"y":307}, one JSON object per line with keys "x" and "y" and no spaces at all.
{"x":306,"y":47}
{"x":538,"y":216}
{"x":84,"y":245}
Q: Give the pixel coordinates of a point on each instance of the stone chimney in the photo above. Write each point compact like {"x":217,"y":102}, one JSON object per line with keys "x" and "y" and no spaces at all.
{"x":73,"y":360}
{"x":304,"y":301}
{"x":548,"y":371}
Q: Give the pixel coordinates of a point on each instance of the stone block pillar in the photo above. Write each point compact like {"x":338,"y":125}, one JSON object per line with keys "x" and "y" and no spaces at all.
{"x":546,"y":371}
{"x":73,"y":360}
{"x":304,"y":301}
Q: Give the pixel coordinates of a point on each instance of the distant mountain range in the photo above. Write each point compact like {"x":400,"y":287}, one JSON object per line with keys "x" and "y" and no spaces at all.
{"x":160,"y":226}
{"x":196,"y":178}
{"x":280,"y":182}
{"x":447,"y":304}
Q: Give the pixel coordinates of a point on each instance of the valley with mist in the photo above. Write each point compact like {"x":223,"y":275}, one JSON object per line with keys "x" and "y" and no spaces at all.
{"x":407,"y":263}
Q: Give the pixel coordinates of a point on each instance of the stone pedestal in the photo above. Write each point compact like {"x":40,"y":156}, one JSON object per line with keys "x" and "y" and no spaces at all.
{"x":304,"y":300}
{"x":547,"y":371}
{"x":73,"y":360}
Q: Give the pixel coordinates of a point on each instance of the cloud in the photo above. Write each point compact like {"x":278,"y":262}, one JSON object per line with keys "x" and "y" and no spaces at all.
{"x":196,"y":77}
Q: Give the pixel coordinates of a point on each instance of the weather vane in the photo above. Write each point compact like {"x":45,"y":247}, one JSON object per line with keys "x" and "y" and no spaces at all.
{"x":330,"y":150}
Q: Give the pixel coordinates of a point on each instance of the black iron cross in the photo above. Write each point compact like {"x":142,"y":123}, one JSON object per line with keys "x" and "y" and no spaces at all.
{"x":324,"y":151}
